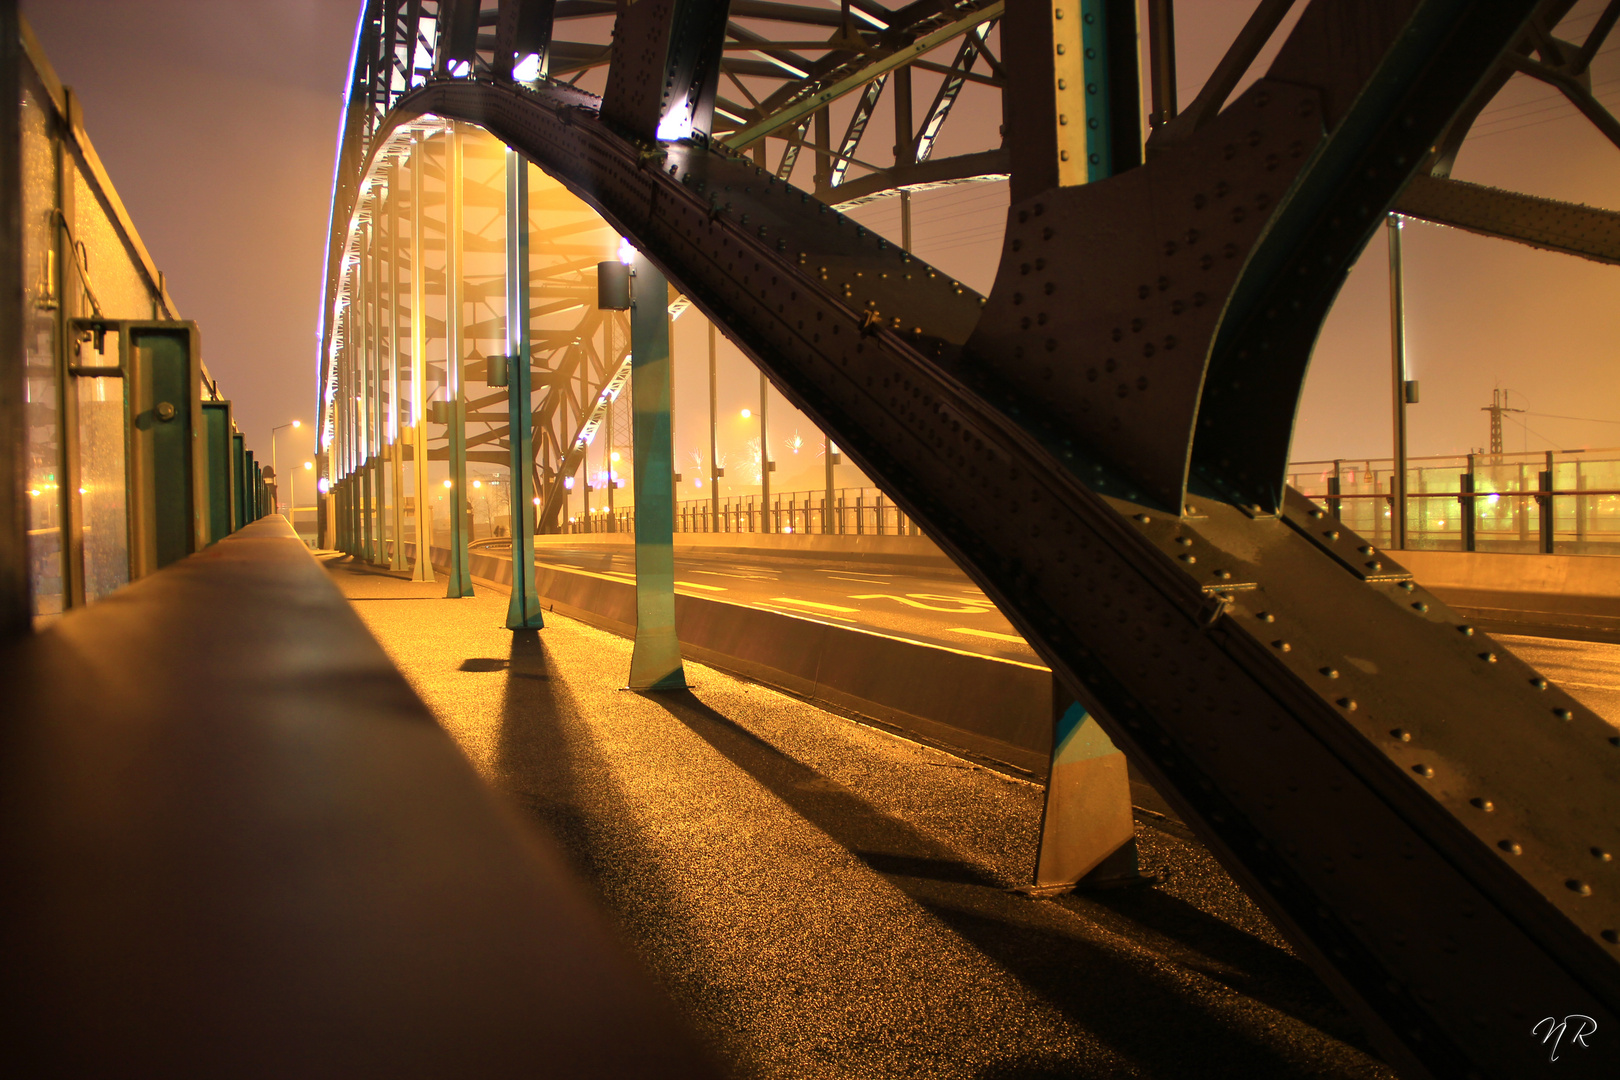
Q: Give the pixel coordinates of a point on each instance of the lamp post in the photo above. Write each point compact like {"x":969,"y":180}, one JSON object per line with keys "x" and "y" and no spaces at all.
{"x":292,"y":497}
{"x":279,"y":427}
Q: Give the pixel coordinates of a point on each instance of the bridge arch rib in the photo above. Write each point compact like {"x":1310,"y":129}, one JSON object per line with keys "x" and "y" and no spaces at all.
{"x":1417,"y":811}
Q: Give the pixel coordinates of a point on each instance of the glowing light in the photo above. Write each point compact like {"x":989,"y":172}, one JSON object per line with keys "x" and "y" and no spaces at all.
{"x":1493,"y":498}
{"x":476,"y":484}
{"x":84,"y":491}
{"x":298,"y":423}
{"x":568,"y":483}
{"x":447,"y":483}
{"x":323,"y":485}
{"x":746,"y":413}
{"x":527,"y":69}
{"x":460,"y":68}
{"x":614,"y":456}
{"x":537,"y":500}
{"x":308,"y":465}
{"x":34,"y":492}
{"x":677,"y":123}
{"x":787,"y":528}
{"x":627,"y":253}
{"x":697,"y":483}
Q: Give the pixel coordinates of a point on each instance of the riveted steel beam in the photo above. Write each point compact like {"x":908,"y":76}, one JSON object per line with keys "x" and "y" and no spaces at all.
{"x":1548,"y":224}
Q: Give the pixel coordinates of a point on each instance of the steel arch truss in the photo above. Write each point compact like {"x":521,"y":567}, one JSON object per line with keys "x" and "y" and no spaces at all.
{"x":1100,"y":442}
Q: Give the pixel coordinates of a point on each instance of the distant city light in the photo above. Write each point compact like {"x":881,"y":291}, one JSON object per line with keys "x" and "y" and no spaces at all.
{"x":697,"y":483}
{"x":746,"y":413}
{"x":297,"y":423}
{"x":308,"y":465}
{"x":568,"y":483}
{"x":613,"y":456}
{"x":447,"y":483}
{"x":476,"y":484}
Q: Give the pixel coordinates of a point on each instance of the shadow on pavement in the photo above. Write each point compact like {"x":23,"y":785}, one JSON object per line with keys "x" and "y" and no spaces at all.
{"x":1135,"y":1003}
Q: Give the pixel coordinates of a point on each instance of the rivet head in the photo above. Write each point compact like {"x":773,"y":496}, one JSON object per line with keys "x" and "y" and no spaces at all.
{"x":1282,"y":646}
{"x":1420,"y":606}
{"x":1563,"y":714}
{"x":1348,"y":704}
{"x":1407,"y":586}
{"x":1482,"y":804}
{"x":1401,"y":734}
{"x":1224,"y":575}
{"x":1316,"y":514}
{"x":1424,"y":771}
{"x":1186,"y":558}
{"x":1601,"y":856}
{"x":1143,"y":518}
{"x":1266,"y":616}
{"x":1332,"y":673}
{"x":1488,"y":657}
{"x":1539,"y":683}
{"x":1510,"y":847}
{"x":1578,"y":887}
{"x":1332,"y":534}
{"x":1467,"y":631}
{"x":1612,"y":936}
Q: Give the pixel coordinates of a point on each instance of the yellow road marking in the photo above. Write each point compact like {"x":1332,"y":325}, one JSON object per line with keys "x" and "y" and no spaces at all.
{"x":763,"y":605}
{"x":695,"y":585}
{"x":812,"y":604}
{"x":988,"y":634}
{"x":967,"y":610}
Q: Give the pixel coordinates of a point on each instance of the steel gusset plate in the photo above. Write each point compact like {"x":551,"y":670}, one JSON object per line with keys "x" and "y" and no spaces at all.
{"x":1425,"y":818}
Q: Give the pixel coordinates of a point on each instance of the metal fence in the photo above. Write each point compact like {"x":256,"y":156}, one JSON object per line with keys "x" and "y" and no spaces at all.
{"x":853,"y":512}
{"x":1556,"y":502}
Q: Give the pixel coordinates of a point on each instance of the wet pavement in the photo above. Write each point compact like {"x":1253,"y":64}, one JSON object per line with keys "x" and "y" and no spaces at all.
{"x":823,"y":899}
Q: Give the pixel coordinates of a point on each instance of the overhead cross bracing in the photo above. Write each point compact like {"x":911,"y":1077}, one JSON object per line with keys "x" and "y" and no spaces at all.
{"x":1415,"y":810}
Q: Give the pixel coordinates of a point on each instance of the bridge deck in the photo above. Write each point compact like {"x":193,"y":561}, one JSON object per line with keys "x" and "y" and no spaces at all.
{"x":824,"y":899}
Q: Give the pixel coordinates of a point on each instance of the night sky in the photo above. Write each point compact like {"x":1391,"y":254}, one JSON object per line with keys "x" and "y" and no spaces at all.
{"x":217,"y":121}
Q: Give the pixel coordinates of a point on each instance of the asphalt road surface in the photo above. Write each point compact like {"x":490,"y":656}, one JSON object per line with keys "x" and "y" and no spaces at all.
{"x":937,"y":607}
{"x":945,"y":608}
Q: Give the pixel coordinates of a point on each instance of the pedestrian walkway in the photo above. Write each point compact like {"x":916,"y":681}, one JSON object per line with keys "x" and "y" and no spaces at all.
{"x":823,"y":899}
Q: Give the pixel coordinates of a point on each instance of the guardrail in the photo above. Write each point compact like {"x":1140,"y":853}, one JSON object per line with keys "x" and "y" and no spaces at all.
{"x":1548,"y":502}
{"x":853,"y":512}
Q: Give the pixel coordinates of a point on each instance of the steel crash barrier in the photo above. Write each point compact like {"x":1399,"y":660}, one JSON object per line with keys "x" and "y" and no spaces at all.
{"x":1425,"y":818}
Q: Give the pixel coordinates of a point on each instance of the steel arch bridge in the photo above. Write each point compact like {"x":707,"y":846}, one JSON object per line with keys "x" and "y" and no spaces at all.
{"x":1428,"y":821}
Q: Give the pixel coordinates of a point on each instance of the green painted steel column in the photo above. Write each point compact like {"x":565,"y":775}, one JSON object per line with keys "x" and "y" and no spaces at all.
{"x":523,"y":612}
{"x":655,"y":663}
{"x":422,"y":564}
{"x":238,"y":485}
{"x":460,"y":576}
{"x":364,"y":390}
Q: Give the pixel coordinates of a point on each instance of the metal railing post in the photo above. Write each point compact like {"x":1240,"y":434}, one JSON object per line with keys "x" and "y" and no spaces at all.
{"x":1469,"y":508}
{"x":1549,"y":521}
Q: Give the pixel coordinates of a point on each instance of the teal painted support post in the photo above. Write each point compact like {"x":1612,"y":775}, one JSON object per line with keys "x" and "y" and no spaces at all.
{"x":459,"y":581}
{"x":523,"y":612}
{"x":367,"y":540}
{"x":655,"y":663}
{"x":1086,"y":824}
{"x":1108,"y":38}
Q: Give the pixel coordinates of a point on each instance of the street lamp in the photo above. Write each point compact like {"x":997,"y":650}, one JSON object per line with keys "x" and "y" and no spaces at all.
{"x":280,"y":427}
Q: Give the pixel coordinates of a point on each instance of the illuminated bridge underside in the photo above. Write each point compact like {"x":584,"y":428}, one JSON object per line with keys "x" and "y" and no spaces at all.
{"x":1417,"y":812}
